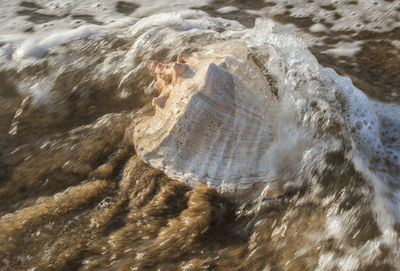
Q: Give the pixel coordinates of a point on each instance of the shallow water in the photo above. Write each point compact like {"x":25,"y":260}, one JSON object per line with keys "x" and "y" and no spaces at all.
{"x":75,"y":196}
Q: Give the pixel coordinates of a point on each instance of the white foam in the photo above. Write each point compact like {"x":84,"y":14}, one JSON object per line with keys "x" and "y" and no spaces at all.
{"x":318,"y":28}
{"x":148,"y":8}
{"x":39,"y":47}
{"x":184,"y":20}
{"x":41,"y":93}
{"x":302,"y":77}
{"x":348,"y":49}
{"x":227,"y":9}
{"x":364,"y":15}
{"x":63,"y":12}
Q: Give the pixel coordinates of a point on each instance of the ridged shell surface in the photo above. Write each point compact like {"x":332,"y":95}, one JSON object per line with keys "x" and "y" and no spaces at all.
{"x":216,"y":126}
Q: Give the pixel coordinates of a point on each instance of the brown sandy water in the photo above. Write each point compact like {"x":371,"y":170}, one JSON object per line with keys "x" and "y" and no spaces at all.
{"x":143,"y":220}
{"x":74,"y":196}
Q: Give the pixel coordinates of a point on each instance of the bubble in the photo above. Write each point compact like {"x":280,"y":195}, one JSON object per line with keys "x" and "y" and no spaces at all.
{"x":358,"y":125}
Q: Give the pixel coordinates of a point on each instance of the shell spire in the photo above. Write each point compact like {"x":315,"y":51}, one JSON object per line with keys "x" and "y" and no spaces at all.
{"x":165,"y":75}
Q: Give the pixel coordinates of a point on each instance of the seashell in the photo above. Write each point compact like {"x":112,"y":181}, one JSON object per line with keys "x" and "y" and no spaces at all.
{"x":216,"y":124}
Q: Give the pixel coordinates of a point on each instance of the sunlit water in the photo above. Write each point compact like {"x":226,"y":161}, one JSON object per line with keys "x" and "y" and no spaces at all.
{"x":74,"y":196}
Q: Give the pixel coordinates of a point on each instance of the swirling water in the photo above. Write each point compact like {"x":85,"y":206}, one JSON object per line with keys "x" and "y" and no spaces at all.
{"x":74,"y":196}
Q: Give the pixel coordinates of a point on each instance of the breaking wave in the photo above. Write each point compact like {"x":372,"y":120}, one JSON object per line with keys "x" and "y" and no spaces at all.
{"x":74,"y":195}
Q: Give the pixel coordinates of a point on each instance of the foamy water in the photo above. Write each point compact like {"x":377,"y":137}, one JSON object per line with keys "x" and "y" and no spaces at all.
{"x":74,"y":196}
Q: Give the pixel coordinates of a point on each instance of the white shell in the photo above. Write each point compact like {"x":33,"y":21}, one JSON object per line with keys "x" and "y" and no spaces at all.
{"x":216,"y":126}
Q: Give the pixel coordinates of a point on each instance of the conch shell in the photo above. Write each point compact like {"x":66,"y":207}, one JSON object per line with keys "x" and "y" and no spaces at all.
{"x":213,"y":119}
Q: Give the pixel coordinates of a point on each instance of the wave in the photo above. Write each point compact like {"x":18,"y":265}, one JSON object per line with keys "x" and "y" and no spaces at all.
{"x":78,"y":103}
